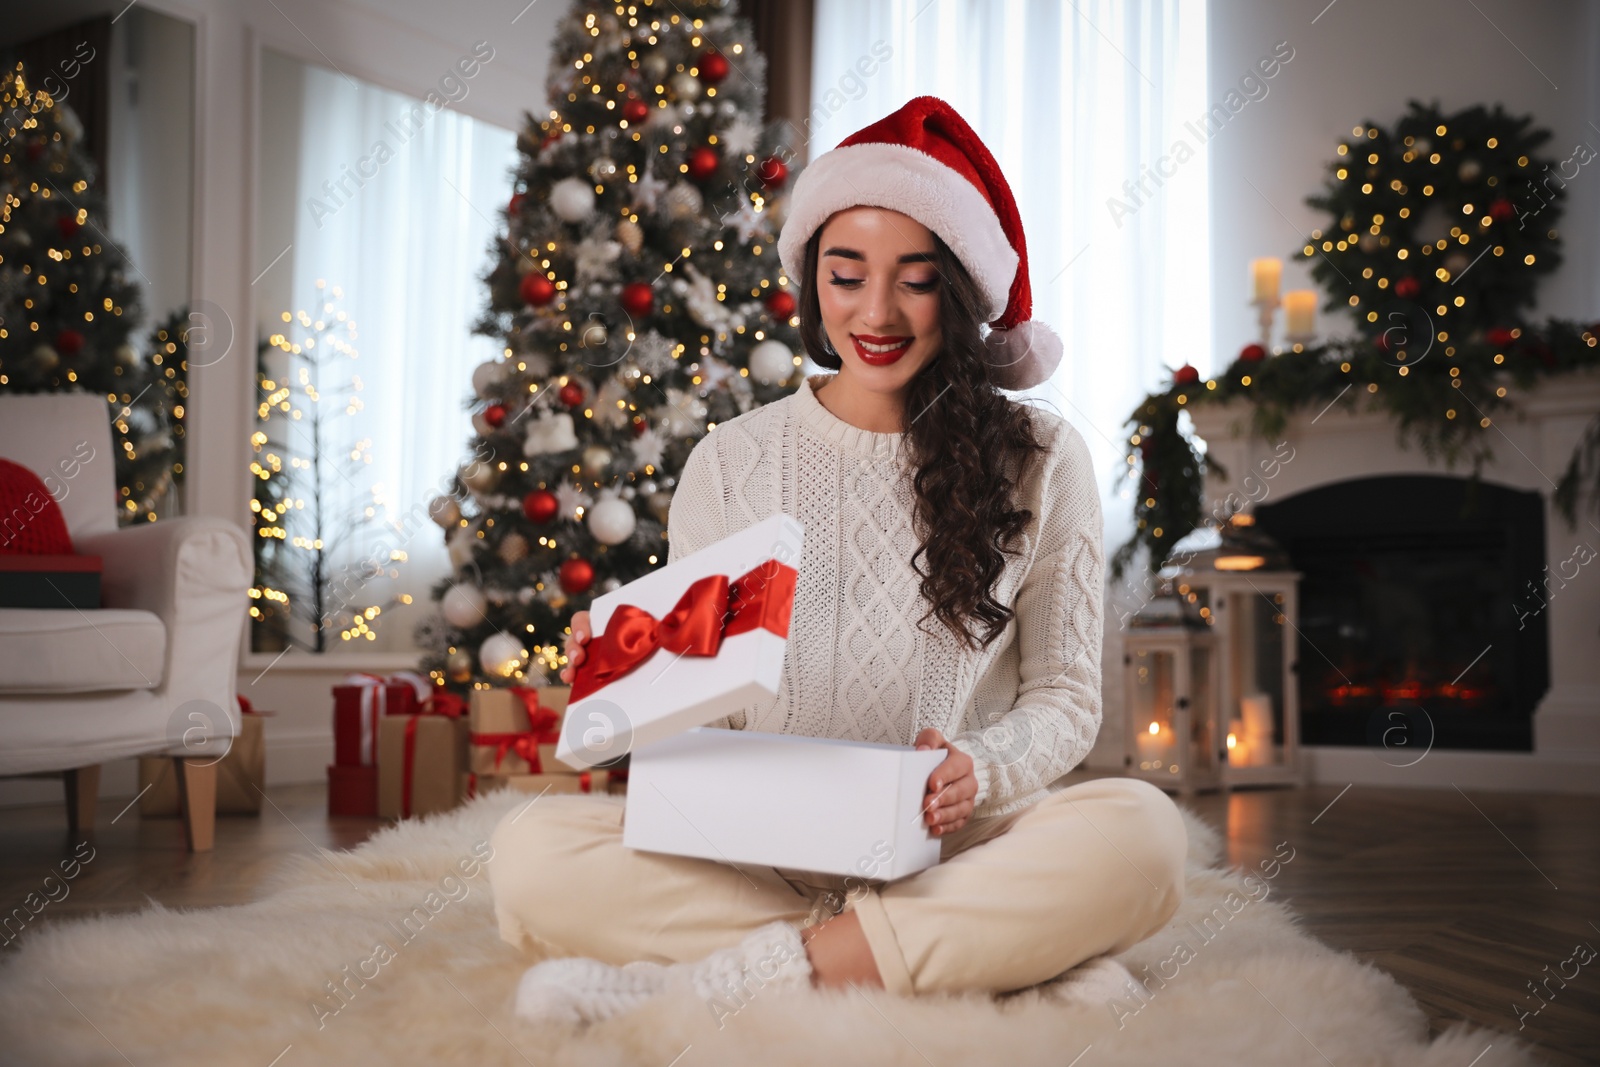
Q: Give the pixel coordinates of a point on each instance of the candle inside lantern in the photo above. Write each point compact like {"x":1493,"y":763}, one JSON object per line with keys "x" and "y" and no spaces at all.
{"x":1256,"y":720}
{"x":1155,"y":747}
{"x":1265,"y":274}
{"x":1300,"y":311}
{"x":1239,"y":748}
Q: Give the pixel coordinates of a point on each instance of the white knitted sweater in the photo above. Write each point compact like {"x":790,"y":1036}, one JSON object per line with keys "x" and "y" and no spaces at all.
{"x":1026,"y":708}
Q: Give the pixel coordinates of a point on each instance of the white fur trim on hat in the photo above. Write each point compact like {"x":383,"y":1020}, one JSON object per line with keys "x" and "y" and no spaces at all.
{"x":913,"y":183}
{"x":1023,"y":356}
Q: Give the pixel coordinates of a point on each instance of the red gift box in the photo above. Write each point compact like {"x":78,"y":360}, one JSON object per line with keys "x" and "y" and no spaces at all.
{"x":359,"y":701}
{"x":353,"y":791}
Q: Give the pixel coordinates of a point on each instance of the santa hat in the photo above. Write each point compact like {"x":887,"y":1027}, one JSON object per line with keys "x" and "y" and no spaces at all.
{"x":926,"y":162}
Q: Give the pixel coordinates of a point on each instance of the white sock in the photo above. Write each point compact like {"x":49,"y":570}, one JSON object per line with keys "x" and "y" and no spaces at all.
{"x":771,"y":956}
{"x":578,"y":991}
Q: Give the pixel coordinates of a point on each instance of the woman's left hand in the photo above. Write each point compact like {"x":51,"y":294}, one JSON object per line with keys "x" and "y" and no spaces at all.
{"x":952,"y":785}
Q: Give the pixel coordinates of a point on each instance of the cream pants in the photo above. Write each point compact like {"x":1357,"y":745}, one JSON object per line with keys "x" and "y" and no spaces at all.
{"x":1016,"y":899}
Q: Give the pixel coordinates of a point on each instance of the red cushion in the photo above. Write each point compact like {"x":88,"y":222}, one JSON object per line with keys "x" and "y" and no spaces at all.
{"x":30,"y":518}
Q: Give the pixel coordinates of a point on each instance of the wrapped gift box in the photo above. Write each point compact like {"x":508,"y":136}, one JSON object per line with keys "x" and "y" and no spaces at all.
{"x":736,"y":796}
{"x":241,"y":774}
{"x":353,"y":791}
{"x":49,"y":580}
{"x":574,"y":782}
{"x":360,"y":701}
{"x":420,"y":763}
{"x":514,"y":730}
{"x":718,"y":645}
{"x":781,"y":800}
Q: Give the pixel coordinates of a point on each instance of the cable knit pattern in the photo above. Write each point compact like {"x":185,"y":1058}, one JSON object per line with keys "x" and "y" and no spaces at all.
{"x":858,"y":665}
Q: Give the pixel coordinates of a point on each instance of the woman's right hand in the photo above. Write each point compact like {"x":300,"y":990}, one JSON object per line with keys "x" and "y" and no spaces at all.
{"x":575,"y":641}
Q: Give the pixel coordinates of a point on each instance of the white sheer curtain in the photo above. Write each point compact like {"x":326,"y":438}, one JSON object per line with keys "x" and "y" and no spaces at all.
{"x":407,"y":249}
{"x":1074,"y":100}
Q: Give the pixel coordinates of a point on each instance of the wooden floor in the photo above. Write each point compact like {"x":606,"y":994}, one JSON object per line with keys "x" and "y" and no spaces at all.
{"x":1465,"y":897}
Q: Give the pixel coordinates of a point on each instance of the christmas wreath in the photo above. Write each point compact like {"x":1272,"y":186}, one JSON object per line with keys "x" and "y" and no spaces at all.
{"x":1439,"y":232}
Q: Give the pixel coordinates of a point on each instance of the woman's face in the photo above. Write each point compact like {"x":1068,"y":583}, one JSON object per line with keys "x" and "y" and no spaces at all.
{"x":879,"y":292}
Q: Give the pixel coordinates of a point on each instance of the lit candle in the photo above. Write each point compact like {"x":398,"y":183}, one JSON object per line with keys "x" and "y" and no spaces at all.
{"x":1265,"y":275}
{"x":1300,"y":308}
{"x":1239,"y":747}
{"x":1154,"y":746}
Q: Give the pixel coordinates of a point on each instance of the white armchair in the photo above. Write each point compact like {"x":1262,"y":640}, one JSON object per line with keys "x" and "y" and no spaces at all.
{"x":153,"y":671}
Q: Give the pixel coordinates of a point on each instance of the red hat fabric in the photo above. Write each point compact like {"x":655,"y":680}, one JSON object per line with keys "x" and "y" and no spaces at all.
{"x":30,"y":519}
{"x":926,"y":162}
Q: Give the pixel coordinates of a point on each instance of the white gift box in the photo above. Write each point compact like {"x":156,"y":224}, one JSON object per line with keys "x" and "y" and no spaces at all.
{"x":782,"y":800}
{"x":739,"y":796}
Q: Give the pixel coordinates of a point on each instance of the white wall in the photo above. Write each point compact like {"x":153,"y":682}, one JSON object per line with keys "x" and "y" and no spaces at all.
{"x":1362,"y":60}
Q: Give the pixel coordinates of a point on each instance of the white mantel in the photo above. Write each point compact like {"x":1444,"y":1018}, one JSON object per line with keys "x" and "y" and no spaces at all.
{"x":1531,"y":450}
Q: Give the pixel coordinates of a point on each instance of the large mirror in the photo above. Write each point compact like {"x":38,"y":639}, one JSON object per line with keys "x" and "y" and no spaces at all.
{"x":98,"y":162}
{"x":376,"y":215}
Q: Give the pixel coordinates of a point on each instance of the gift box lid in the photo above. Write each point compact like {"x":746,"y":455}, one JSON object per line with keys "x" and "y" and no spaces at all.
{"x":651,"y":698}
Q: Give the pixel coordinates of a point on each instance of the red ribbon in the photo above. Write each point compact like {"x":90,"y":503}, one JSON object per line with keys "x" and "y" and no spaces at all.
{"x":709,"y":610}
{"x":525,"y":745}
{"x":443,"y":702}
{"x":583,"y":781}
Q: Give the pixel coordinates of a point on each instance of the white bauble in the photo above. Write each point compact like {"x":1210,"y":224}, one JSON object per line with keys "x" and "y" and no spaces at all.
{"x":603,"y":169}
{"x":463,"y":605}
{"x":654,"y":67}
{"x":500,"y":655}
{"x":44,"y":355}
{"x":771,"y":362}
{"x":595,"y":460}
{"x":611,"y":521}
{"x":445,"y":511}
{"x":127,"y":355}
{"x":572,"y":199}
{"x":1469,"y":170}
{"x":592,"y":334}
{"x":488,"y":375}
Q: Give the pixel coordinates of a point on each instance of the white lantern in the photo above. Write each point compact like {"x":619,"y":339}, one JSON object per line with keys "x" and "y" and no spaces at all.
{"x":1170,"y":727}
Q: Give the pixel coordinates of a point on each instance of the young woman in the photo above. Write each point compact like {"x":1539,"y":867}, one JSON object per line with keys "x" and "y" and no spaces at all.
{"x":949,"y":597}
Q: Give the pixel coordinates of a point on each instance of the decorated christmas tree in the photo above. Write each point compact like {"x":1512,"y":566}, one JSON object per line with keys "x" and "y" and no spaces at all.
{"x":639,"y":300}
{"x":68,"y":305}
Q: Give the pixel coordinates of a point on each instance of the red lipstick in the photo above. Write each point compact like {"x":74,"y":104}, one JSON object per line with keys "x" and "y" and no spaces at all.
{"x":880,"y":358}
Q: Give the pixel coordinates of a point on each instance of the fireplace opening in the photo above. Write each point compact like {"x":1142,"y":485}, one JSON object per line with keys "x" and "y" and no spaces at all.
{"x":1421,"y":612}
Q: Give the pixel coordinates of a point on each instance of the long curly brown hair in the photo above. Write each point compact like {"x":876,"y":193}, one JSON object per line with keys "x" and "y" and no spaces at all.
{"x":971,"y":447}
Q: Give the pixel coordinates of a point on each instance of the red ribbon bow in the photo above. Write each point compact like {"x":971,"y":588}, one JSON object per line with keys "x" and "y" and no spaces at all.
{"x":709,"y":610}
{"x":542,"y":730}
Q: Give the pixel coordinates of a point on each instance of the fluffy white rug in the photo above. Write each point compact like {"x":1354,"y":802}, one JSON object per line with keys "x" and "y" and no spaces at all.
{"x":250,"y":984}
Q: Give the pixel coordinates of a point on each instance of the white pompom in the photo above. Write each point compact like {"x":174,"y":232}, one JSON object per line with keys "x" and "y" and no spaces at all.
{"x":572,"y":199}
{"x":463,"y":606}
{"x":611,"y":520}
{"x":1023,"y":356}
{"x":771,"y":362}
{"x":500,"y":654}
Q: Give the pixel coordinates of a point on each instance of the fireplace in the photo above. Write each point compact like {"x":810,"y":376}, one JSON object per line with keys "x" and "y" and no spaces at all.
{"x":1421,"y":611}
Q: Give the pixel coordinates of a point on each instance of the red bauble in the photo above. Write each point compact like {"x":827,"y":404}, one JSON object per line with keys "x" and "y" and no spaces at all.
{"x":515,"y":207}
{"x":571,"y":394}
{"x":780,"y":305}
{"x":537,"y":290}
{"x":1382,"y":341}
{"x":495,"y":415}
{"x":69,"y":226}
{"x":555,"y":135}
{"x":703,"y":162}
{"x":635,"y":111}
{"x":69,"y":342}
{"x":1185,"y":375}
{"x":713,"y":67}
{"x":1252,"y":353}
{"x":540,"y":506}
{"x":577,"y":575}
{"x":640,"y":425}
{"x":1501,"y":209}
{"x":638,"y":298}
{"x":1501,"y":337}
{"x":1407,"y":288}
{"x":773,"y":172}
